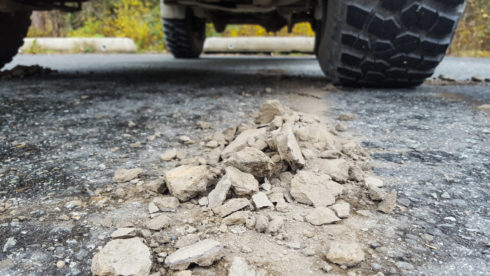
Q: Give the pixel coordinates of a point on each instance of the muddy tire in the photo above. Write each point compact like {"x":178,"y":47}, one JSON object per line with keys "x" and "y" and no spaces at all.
{"x":13,"y":29}
{"x":386,"y":43}
{"x":184,"y":38}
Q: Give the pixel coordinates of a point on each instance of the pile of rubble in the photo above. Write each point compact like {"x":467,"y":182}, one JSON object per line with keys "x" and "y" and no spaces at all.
{"x":288,"y":165}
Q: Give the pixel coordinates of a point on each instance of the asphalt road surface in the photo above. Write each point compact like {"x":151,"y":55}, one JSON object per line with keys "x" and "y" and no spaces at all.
{"x":58,"y":135}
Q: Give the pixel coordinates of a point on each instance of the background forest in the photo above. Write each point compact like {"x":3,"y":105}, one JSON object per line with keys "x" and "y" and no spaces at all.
{"x":140,"y":20}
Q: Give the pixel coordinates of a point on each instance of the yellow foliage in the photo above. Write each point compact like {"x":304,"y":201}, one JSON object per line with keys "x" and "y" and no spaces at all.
{"x":129,"y":18}
{"x":140,"y":20}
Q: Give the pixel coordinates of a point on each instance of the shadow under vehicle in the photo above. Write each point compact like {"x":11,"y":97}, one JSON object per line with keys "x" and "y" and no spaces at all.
{"x":379,"y":43}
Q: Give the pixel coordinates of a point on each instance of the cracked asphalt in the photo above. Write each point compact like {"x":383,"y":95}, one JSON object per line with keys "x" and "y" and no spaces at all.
{"x":62,"y":135}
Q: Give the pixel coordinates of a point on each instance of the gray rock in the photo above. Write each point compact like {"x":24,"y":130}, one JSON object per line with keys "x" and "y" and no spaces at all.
{"x":166,"y":203}
{"x":375,"y":193}
{"x":317,"y":136}
{"x":152,"y":208}
{"x":242,"y":141}
{"x":231,"y":206}
{"x":445,"y":195}
{"x":370,"y":181}
{"x":169,"y":155}
{"x":187,"y":240}
{"x":356,"y":174}
{"x":261,"y":223}
{"x":338,"y":169}
{"x":347,"y":117}
{"x":186,"y":182}
{"x":268,"y":111}
{"x":156,"y":185}
{"x":404,"y":266}
{"x":218,"y":195}
{"x":321,"y":215}
{"x":240,"y":267}
{"x":123,"y":257}
{"x":389,"y":203}
{"x":240,"y":217}
{"x":10,"y":243}
{"x":275,"y":224}
{"x":203,"y":253}
{"x":288,"y":147}
{"x":158,"y":222}
{"x":314,"y":189}
{"x":340,"y":127}
{"x":345,"y":253}
{"x":342,"y":210}
{"x":203,"y":201}
{"x":204,"y":125}
{"x":242,"y":183}
{"x":123,"y":175}
{"x":124,"y":233}
{"x":260,"y":200}
{"x":251,"y":160}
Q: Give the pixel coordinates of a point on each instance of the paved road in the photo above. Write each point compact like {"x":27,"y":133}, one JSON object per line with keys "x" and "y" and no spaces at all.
{"x":307,"y":66}
{"x":431,"y":144}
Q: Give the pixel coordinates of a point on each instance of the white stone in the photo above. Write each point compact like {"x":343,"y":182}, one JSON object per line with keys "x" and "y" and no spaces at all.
{"x":166,"y":203}
{"x":169,"y":155}
{"x":268,"y":111}
{"x":203,"y":201}
{"x":218,"y":195}
{"x":318,"y":136}
{"x":123,"y":233}
{"x":242,"y":141}
{"x":156,"y":185}
{"x":231,"y":206}
{"x":240,"y":217}
{"x":342,"y":210}
{"x":186,"y":182}
{"x":152,"y":208}
{"x":123,"y":175}
{"x":321,"y":215}
{"x":275,"y":224}
{"x":345,"y":253}
{"x":261,"y":223}
{"x":338,"y":169}
{"x":389,"y":203}
{"x":203,"y":253}
{"x":241,"y":183}
{"x":251,"y":160}
{"x":370,"y":181}
{"x":288,"y":147}
{"x":314,"y":189}
{"x":240,"y":267}
{"x":260,"y":200}
{"x":204,"y":125}
{"x":158,"y":222}
{"x":375,"y":193}
{"x":123,"y":257}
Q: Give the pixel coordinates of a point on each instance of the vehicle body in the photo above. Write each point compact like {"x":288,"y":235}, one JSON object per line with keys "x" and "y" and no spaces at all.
{"x":384,"y":43}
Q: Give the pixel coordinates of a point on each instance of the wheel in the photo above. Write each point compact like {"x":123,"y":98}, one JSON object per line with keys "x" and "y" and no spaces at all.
{"x":185,"y":37}
{"x":386,"y":43}
{"x":13,"y":29}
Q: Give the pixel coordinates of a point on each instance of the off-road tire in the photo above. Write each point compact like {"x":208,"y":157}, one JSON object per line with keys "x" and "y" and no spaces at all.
{"x":13,"y":29}
{"x":184,"y":38}
{"x":386,"y":43}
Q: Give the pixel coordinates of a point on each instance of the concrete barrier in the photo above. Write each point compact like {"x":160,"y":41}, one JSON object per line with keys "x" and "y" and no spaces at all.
{"x":211,"y":45}
{"x":80,"y":45}
{"x":259,"y":44}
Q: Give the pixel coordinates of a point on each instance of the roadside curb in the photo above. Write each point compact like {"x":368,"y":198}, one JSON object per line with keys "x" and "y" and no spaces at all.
{"x":82,"y":45}
{"x":259,"y":44}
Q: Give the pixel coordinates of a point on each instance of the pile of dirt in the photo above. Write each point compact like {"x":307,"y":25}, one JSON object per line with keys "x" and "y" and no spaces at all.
{"x":22,"y":71}
{"x":288,"y":187}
